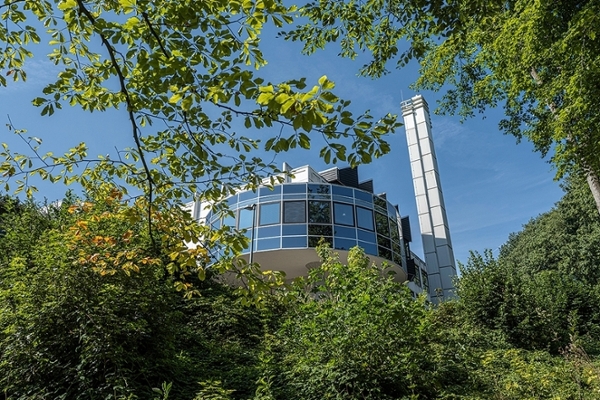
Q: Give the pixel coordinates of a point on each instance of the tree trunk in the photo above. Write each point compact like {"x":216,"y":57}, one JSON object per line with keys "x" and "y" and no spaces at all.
{"x":594,"y":184}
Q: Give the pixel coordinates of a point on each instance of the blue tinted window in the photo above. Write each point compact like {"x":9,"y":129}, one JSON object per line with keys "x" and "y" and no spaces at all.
{"x":265,"y":191}
{"x":340,"y":231}
{"x":248,"y":234}
{"x":269,"y":231}
{"x":342,"y":191}
{"x":247,"y":195}
{"x":232,"y":200}
{"x":294,"y":188}
{"x":267,"y":244}
{"x":229,"y":220}
{"x":245,"y":218}
{"x":369,"y":248}
{"x":364,"y":218}
{"x":301,"y":196}
{"x":289,"y":230}
{"x":344,"y":244}
{"x":269,"y":213}
{"x":391,"y":209}
{"x":297,"y":241}
{"x":343,"y":214}
{"x":366,"y":236}
{"x":294,"y":212}
{"x":364,"y":196}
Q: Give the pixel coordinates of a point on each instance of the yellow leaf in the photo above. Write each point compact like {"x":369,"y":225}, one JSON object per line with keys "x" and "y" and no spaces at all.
{"x":67,"y":4}
{"x":131,"y":23}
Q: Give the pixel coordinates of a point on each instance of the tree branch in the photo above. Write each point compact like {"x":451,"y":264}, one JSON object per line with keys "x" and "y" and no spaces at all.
{"x":130,"y":110}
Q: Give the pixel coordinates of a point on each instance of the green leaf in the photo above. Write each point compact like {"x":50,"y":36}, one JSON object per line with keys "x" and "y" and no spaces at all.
{"x":187,"y":102}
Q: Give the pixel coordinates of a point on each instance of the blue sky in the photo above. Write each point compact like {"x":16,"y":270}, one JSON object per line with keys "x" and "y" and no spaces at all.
{"x":492,"y":186}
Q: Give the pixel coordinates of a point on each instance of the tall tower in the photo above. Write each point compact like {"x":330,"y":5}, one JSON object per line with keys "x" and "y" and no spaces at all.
{"x":433,"y":222}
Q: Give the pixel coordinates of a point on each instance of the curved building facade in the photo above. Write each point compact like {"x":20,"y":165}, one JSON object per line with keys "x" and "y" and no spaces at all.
{"x":289,"y":220}
{"x":286,"y":221}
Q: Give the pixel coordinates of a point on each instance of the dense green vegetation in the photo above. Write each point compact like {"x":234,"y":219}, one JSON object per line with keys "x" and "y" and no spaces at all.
{"x":89,"y":310}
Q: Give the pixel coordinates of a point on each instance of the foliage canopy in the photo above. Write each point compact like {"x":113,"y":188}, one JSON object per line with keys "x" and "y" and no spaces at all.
{"x":537,"y":59}
{"x":185,"y":74}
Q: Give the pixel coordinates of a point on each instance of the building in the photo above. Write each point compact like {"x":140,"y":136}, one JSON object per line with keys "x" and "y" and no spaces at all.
{"x":286,"y":221}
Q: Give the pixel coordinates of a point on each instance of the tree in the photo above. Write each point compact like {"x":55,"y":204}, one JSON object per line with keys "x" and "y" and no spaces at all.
{"x":88,"y":310}
{"x":539,"y":59}
{"x":85,"y":307}
{"x":349,"y":332}
{"x":542,"y":292}
{"x":185,"y":73}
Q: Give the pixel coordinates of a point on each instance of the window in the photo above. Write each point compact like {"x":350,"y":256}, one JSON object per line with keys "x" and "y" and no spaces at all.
{"x":343,"y":214}
{"x":319,"y":212}
{"x":292,"y":230}
{"x":245,"y":218}
{"x":381,"y":222}
{"x":364,"y":218}
{"x":247,"y":195}
{"x":316,"y":191}
{"x":269,"y":231}
{"x":269,"y":214}
{"x":366,"y":236}
{"x":342,"y":193}
{"x":344,"y":244}
{"x":267,"y":191}
{"x":369,"y":248}
{"x":267,"y":244}
{"x":317,"y":232}
{"x":417,"y":277}
{"x":232,"y":200}
{"x":294,"y":188}
{"x":394,"y":233}
{"x":391,"y":209}
{"x":313,"y":241}
{"x":294,"y":191}
{"x":320,"y":230}
{"x":425,"y":279}
{"x":396,"y":248}
{"x":385,"y":253}
{"x":379,"y":202}
{"x":383,"y":241}
{"x":294,"y":212}
{"x":294,"y":241}
{"x":340,"y":231}
{"x":229,"y":220}
{"x":363,"y":196}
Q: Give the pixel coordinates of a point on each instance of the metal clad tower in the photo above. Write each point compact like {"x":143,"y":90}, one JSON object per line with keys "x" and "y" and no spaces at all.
{"x":433,"y":222}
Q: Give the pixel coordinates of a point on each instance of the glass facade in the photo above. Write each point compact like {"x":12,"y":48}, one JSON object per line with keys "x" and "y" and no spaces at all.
{"x":298,"y":215}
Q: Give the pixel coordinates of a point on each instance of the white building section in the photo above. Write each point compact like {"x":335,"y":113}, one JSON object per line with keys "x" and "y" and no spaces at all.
{"x":433,"y":222}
